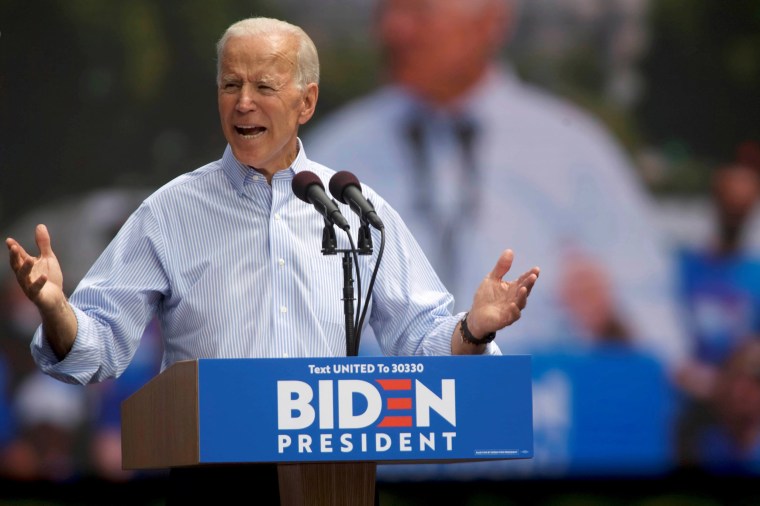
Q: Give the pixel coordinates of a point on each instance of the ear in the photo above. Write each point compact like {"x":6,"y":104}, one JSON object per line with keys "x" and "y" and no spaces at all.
{"x":309,"y":103}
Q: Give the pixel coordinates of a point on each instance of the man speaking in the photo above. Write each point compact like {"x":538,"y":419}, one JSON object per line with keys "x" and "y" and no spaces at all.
{"x":228,"y":258}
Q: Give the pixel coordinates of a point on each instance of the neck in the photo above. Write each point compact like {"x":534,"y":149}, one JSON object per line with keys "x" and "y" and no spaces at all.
{"x":729,"y":238}
{"x":269,"y":173}
{"x":445,"y":93}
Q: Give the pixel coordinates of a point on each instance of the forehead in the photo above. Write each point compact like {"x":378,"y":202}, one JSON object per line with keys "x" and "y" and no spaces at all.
{"x":260,"y":53}
{"x":737,"y":174}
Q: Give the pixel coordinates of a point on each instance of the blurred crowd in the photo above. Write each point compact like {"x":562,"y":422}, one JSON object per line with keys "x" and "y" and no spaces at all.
{"x":477,"y":160}
{"x":49,"y":430}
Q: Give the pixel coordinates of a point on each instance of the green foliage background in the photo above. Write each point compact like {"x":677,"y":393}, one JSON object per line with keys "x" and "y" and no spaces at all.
{"x":96,"y":93}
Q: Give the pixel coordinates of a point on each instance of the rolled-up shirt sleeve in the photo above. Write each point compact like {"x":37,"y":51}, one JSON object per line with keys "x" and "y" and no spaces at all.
{"x":412,"y":310}
{"x":113,"y":305}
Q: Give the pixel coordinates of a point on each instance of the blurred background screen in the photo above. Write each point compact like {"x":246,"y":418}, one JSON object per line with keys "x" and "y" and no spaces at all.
{"x":101,"y":103}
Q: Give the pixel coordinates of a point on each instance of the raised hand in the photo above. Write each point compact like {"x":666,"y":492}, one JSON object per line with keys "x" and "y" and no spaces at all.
{"x":40,"y":277}
{"x":498,"y":303}
{"x":41,"y":280}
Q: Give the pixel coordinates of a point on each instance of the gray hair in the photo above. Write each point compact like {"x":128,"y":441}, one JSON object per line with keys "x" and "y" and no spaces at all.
{"x":307,"y":60}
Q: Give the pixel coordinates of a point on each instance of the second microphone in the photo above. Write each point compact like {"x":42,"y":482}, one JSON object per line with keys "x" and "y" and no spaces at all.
{"x":346,"y":189}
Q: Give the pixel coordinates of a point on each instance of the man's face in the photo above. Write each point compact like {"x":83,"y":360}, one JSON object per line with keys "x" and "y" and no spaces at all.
{"x":736,"y":189}
{"x":260,"y":103}
{"x":439,"y":47}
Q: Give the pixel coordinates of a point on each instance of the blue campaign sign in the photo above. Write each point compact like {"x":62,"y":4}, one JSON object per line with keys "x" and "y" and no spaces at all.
{"x":365,"y":409}
{"x":611,"y":412}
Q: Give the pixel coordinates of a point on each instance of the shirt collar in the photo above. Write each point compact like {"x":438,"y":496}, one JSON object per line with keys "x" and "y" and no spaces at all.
{"x":300,"y":164}
{"x":240,"y":174}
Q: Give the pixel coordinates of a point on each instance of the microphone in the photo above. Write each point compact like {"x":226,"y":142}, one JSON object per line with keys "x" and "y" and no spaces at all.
{"x":346,"y":189}
{"x":308,"y":187}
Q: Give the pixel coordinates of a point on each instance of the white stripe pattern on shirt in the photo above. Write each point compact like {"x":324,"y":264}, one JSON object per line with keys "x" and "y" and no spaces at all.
{"x":232,"y":267}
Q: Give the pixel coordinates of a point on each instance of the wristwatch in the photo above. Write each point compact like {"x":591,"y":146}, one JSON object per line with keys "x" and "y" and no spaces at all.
{"x":467,"y":336}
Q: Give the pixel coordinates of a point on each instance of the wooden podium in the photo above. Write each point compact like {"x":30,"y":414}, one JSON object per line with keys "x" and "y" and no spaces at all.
{"x":302,"y":415}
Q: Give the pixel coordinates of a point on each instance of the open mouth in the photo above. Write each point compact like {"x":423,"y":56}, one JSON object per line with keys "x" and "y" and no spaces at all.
{"x":250,"y":132}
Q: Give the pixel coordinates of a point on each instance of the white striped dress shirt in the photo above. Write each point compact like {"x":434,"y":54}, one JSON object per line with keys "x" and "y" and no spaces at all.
{"x":232,"y":266}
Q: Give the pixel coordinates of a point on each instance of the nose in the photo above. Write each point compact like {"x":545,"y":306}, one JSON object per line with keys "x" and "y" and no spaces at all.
{"x":246,"y":99}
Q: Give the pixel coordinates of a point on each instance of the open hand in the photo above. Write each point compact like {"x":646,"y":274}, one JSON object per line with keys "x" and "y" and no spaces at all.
{"x":498,"y":303}
{"x":40,"y":277}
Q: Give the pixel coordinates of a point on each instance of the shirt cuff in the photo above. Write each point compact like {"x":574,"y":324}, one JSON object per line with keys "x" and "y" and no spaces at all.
{"x":83,"y":360}
{"x":439,"y":342}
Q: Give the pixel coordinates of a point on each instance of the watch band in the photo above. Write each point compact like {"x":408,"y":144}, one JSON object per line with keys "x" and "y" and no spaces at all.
{"x":467,"y":336}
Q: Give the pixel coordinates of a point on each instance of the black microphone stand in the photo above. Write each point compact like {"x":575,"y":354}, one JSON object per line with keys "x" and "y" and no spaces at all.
{"x":329,"y":241}
{"x":348,"y":304}
{"x":364,"y":239}
{"x":329,"y":247}
{"x":364,"y":247}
